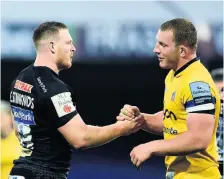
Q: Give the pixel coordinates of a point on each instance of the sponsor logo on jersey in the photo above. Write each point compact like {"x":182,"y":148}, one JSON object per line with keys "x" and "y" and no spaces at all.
{"x":201,"y":93}
{"x":169,"y":115}
{"x":23,"y":116}
{"x":63,"y":103}
{"x":170,"y":130}
{"x":22,"y":86}
{"x":41,"y":84}
{"x":67,"y":108}
{"x":173,"y":96}
{"x":21,"y":99}
{"x":200,"y":89}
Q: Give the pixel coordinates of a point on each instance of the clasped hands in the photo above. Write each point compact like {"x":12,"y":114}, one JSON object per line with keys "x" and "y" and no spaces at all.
{"x":141,"y":152}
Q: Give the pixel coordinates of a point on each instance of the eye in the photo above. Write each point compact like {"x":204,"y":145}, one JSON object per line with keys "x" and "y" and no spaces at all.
{"x":69,"y":42}
{"x":162,"y":44}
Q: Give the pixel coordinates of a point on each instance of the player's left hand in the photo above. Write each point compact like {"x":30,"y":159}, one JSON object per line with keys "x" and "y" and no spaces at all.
{"x":140,"y":154}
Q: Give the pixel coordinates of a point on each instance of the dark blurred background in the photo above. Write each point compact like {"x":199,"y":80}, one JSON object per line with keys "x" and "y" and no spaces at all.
{"x":114,"y":65}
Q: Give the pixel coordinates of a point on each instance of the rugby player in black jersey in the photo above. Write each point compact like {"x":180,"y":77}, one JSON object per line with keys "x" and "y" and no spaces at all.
{"x":45,"y":116}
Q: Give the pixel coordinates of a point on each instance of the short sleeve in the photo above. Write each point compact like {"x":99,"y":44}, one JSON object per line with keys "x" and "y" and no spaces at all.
{"x":198,"y":98}
{"x":60,"y":107}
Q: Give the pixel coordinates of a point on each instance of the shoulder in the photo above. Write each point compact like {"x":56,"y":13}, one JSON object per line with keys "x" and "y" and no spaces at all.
{"x":198,"y":89}
{"x":199,"y":80}
{"x":52,"y":87}
{"x":49,"y":83}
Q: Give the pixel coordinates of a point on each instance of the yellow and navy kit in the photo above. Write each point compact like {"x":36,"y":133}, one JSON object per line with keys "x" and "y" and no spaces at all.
{"x":190,"y":90}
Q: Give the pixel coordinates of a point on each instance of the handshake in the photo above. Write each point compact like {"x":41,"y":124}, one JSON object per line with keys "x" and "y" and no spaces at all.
{"x":130,"y":119}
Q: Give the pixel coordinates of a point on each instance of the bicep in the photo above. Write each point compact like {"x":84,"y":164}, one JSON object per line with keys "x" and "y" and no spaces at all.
{"x":201,"y":126}
{"x":74,"y":131}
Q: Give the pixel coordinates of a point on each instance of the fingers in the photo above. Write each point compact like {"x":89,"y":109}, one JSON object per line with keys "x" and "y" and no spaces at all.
{"x":119,"y":118}
{"x":127,"y":113}
{"x":125,"y":117}
{"x":131,"y":109}
{"x":135,"y":160}
{"x":140,"y":120}
{"x":138,"y":163}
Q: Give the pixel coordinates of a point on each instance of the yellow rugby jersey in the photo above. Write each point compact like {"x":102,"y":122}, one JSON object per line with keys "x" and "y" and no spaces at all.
{"x":190,"y":90}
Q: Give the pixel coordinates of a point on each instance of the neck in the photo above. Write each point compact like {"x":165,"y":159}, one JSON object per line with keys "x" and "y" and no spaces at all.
{"x":47,"y":61}
{"x":184,"y":61}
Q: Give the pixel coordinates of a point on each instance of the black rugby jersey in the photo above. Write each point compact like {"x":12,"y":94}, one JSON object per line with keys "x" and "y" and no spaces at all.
{"x":41,"y":103}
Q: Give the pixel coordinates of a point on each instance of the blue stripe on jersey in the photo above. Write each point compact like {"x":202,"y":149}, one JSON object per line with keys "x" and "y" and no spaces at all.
{"x":191,"y":103}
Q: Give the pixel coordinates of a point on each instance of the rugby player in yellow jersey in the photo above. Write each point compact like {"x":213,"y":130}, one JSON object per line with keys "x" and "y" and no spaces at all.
{"x":190,"y":116}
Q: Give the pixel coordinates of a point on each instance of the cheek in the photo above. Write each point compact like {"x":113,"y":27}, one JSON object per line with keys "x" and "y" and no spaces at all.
{"x":67,"y":49}
{"x":167,"y":51}
{"x":170,"y":53}
{"x":64,"y":51}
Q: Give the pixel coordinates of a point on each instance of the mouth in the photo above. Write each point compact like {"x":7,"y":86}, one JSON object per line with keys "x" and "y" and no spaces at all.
{"x":160,"y":58}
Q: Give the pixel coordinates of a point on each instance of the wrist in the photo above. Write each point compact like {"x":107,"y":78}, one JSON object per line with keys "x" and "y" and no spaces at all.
{"x":152,"y":147}
{"x":120,"y":128}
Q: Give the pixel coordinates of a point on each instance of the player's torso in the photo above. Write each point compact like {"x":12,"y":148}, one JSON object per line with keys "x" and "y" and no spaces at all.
{"x":41,"y":143}
{"x":174,"y":113}
{"x":175,"y":116}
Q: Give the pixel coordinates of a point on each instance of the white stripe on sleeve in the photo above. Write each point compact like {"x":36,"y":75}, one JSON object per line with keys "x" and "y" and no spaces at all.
{"x":203,"y":107}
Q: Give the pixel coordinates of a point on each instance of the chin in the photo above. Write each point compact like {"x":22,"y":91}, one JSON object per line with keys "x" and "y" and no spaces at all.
{"x":69,"y":65}
{"x":162,"y":65}
{"x":65,"y":66}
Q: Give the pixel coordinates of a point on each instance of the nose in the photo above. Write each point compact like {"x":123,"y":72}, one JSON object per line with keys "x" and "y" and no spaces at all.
{"x":73,"y":48}
{"x":156,"y":49}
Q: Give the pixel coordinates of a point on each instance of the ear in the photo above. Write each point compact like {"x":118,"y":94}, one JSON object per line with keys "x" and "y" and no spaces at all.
{"x":183,"y":50}
{"x":51,"y":46}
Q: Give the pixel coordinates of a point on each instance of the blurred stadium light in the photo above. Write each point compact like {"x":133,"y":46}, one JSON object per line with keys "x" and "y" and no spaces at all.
{"x":105,"y":29}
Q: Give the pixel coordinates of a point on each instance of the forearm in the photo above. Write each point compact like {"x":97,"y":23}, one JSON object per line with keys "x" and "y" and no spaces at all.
{"x":184,"y":144}
{"x":154,"y":123}
{"x":96,"y":136}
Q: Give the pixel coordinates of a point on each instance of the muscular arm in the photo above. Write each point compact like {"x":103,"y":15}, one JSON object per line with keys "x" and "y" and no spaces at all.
{"x":197,"y":138}
{"x":81,"y":135}
{"x":154,"y":123}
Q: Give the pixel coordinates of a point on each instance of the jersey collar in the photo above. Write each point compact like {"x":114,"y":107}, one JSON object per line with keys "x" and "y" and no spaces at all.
{"x":186,"y":65}
{"x":46,"y":68}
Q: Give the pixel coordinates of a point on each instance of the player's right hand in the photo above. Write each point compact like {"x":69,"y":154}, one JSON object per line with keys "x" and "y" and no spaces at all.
{"x":132,"y":126}
{"x":128,"y":112}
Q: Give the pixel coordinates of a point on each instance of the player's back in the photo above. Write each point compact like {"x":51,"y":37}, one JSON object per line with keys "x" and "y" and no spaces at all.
{"x":34,"y":93}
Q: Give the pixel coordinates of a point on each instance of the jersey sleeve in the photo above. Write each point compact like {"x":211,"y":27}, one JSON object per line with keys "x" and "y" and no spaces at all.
{"x":198,"y":97}
{"x":60,"y":105}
